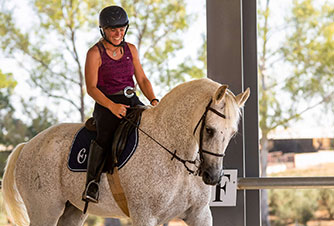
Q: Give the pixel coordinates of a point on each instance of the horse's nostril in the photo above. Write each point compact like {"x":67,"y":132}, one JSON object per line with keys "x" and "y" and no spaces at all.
{"x":207,"y":176}
{"x":211,"y":178}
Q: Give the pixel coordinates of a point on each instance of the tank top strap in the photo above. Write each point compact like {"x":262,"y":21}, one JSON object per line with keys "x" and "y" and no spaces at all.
{"x":100,"y":47}
{"x":103,"y":52}
{"x":127,"y":50}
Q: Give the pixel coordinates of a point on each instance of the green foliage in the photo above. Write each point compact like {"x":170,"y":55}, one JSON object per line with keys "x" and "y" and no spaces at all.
{"x":270,"y":110}
{"x":3,"y":157}
{"x":7,"y":81}
{"x":326,"y":202}
{"x":7,"y":84}
{"x":13,"y":130}
{"x":49,"y":49}
{"x":292,"y":206}
{"x":310,"y":50}
{"x":158,"y":26}
{"x":302,"y":200}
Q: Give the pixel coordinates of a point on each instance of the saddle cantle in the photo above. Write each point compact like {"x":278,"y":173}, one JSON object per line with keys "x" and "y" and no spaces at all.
{"x":90,"y":124}
{"x":124,"y":144}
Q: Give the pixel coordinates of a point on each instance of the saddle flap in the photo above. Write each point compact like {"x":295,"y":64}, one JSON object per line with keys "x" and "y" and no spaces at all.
{"x":77,"y":160}
{"x":126,"y":127}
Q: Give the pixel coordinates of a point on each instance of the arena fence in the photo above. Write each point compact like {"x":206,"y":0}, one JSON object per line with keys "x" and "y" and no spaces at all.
{"x":255,"y":183}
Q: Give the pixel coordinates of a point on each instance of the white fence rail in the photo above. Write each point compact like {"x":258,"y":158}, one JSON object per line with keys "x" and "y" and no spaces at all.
{"x":225,"y":194}
{"x":255,"y":183}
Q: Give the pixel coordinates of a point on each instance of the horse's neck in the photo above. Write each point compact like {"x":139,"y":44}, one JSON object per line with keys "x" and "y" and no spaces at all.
{"x":184,"y":105}
{"x":175,"y":118}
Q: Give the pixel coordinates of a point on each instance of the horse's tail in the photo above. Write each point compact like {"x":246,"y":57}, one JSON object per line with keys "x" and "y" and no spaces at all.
{"x":14,"y":205}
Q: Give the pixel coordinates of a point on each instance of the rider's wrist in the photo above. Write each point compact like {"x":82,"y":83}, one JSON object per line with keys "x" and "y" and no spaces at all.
{"x":111,"y":105}
{"x":155,"y":99}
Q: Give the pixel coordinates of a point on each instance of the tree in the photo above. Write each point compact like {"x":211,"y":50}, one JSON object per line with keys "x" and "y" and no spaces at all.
{"x":326,"y":201}
{"x":308,"y":49}
{"x":50,"y":50}
{"x":7,"y":85}
{"x":12,"y":129}
{"x":266,"y":97}
{"x":293,"y":206}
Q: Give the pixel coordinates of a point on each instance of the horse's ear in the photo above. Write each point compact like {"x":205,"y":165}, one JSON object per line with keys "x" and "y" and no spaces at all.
{"x":220,"y":94}
{"x":242,"y":97}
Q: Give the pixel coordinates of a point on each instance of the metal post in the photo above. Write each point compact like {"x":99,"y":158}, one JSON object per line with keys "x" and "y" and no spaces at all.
{"x":225,"y":66}
{"x":251,"y":137}
{"x":232,"y":59}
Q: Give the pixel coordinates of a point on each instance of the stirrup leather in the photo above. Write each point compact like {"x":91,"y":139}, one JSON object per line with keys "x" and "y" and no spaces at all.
{"x":89,"y":198}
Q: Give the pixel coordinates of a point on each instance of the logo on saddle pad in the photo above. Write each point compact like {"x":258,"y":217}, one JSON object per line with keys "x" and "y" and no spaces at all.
{"x":78,"y":156}
{"x":82,"y":156}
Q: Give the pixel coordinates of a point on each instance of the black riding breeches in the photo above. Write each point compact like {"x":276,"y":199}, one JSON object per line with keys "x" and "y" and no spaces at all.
{"x":107,"y":122}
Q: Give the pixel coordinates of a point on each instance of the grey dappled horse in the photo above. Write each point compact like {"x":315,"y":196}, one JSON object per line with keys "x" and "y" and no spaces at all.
{"x":197,"y":119}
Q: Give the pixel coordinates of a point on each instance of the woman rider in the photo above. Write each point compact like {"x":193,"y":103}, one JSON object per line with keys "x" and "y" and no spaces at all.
{"x":110,"y":66}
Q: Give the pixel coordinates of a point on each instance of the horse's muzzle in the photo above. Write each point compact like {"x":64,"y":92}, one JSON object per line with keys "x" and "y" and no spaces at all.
{"x":212,"y":176}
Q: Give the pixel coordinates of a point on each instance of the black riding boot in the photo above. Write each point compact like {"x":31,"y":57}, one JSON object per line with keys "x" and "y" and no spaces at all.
{"x":96,"y":159}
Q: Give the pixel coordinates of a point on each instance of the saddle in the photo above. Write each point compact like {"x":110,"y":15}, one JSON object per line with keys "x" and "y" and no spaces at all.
{"x":126,"y":126}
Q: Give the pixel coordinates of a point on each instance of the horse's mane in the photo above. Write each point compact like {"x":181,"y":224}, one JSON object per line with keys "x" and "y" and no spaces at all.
{"x":232,"y":109}
{"x":190,"y":96}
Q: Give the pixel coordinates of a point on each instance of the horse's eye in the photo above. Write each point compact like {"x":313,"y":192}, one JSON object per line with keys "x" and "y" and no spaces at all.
{"x":209,"y":131}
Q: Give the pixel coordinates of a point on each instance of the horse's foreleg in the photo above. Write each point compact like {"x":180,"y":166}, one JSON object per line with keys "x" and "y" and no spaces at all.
{"x":199,"y":217}
{"x":72,"y":216}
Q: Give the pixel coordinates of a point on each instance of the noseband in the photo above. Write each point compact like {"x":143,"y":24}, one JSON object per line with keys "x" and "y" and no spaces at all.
{"x":201,"y":150}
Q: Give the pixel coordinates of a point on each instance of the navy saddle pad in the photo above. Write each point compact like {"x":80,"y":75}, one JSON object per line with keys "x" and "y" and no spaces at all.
{"x":78,"y":157}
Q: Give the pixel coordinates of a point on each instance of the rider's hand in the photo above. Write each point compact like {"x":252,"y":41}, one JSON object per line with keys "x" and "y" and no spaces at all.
{"x":154,"y":102}
{"x":119,"y":109}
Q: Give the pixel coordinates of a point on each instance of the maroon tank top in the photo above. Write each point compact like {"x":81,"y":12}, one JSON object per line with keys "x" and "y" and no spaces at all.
{"x":115,"y":75}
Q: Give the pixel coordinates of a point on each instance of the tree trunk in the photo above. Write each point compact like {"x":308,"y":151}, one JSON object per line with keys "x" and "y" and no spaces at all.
{"x":264,"y":193}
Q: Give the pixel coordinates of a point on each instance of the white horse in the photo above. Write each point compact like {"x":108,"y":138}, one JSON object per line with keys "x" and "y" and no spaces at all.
{"x":40,"y":190}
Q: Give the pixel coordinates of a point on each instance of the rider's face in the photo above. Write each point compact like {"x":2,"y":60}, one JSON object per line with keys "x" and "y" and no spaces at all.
{"x":115,"y":35}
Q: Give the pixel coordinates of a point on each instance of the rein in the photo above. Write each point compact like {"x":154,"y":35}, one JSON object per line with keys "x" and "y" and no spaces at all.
{"x":201,"y":150}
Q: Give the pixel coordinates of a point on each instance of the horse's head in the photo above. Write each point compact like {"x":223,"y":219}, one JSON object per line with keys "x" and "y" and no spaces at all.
{"x":219,"y":124}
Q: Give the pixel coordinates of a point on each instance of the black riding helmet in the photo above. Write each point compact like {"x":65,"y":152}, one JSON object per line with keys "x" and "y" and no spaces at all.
{"x":113,"y":16}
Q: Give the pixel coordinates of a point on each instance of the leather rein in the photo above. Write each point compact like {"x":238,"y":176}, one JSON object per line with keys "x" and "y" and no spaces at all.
{"x":197,"y":163}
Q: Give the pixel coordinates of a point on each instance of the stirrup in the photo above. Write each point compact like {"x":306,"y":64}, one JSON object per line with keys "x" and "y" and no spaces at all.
{"x":88,"y":198}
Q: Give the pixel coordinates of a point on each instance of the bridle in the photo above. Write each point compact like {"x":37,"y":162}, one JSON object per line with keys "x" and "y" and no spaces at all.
{"x":197,"y":163}
{"x":202,"y":119}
